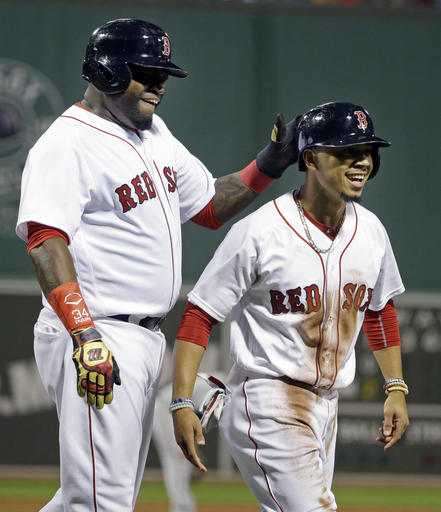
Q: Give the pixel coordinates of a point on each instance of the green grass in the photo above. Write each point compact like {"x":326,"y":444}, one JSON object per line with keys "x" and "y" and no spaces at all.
{"x":422,"y":498}
{"x":378,"y":498}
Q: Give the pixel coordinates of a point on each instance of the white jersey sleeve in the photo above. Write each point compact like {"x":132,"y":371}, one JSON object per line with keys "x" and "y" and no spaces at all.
{"x":53,"y":191}
{"x":230,"y":273}
{"x":389,"y":281}
{"x":195,"y":182}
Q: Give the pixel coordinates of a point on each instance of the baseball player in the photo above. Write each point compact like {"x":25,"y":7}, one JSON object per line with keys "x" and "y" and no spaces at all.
{"x":104,"y":193}
{"x":300,"y":277}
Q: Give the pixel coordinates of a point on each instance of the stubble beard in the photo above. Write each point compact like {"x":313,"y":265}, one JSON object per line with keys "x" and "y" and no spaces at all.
{"x":348,"y":199}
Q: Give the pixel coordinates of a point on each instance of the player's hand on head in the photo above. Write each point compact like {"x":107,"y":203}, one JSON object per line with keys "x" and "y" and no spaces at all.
{"x":282,"y":151}
{"x":97,"y":369}
{"x":395,"y":420}
{"x":188,"y":431}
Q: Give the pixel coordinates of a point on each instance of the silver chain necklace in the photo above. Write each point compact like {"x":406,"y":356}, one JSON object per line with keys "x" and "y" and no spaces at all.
{"x":308,"y":234}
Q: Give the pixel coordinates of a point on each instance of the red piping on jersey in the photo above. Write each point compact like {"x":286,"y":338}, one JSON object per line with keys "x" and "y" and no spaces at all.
{"x":169,"y":232}
{"x":160,"y":179}
{"x":256,"y":447}
{"x":339,"y":297}
{"x":317,"y":352}
{"x":93,"y":461}
{"x":147,"y":169}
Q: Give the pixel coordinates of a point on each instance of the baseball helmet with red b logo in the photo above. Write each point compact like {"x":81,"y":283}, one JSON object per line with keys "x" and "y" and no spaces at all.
{"x":338,"y":124}
{"x":119,"y":43}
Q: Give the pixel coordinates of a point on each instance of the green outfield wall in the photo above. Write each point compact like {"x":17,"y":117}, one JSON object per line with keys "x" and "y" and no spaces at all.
{"x":245,"y":65}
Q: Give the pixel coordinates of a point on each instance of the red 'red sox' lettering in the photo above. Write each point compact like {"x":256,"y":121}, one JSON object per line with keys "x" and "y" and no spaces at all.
{"x":142,"y":189}
{"x":308,"y":299}
{"x":354,"y":296}
{"x":313,"y":301}
{"x":171,"y":177}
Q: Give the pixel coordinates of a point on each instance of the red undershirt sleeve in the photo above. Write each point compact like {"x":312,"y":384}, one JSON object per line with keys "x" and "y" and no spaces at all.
{"x":38,"y":233}
{"x":207,"y":218}
{"x":381,"y":327}
{"x":195,"y":325}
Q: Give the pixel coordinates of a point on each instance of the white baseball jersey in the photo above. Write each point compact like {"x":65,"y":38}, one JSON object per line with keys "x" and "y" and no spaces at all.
{"x":120,"y":196}
{"x":296,"y":312}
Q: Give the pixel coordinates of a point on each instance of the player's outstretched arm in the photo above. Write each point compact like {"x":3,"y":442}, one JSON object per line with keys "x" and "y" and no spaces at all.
{"x":97,"y":370}
{"x":188,"y":430}
{"x":236,"y":191}
{"x":396,"y":419}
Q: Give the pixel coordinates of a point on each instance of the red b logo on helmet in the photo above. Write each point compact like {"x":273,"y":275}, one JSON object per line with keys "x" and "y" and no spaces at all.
{"x":166,"y":48}
{"x":362,"y":121}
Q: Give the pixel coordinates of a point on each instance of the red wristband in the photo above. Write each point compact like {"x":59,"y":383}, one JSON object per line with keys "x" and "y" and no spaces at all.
{"x":68,"y":302}
{"x":255,"y":179}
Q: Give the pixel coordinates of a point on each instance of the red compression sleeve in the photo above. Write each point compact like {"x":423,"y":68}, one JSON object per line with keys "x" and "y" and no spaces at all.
{"x":195,"y":325}
{"x":207,"y":218}
{"x":255,"y":179}
{"x":381,"y":327}
{"x":38,"y":233}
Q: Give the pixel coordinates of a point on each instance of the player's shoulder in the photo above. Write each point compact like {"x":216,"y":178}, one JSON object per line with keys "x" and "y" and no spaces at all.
{"x":159,"y":127}
{"x":59,"y":133}
{"x":263,"y":221}
{"x":368,"y":219}
{"x":366,"y":215}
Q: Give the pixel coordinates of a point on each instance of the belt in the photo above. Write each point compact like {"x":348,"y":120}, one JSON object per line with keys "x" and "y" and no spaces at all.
{"x":300,"y":384}
{"x":149,"y":322}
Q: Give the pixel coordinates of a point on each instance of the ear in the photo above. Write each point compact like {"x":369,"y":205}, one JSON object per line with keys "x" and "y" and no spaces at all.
{"x":309,"y":158}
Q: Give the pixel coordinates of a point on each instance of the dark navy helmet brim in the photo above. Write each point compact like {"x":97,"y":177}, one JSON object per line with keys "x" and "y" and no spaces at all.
{"x":172,"y":69}
{"x":352,"y":141}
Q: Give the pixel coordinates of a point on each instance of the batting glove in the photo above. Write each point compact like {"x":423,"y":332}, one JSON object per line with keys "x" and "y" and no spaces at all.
{"x":282,"y":151}
{"x":97,"y":370}
{"x":209,"y":400}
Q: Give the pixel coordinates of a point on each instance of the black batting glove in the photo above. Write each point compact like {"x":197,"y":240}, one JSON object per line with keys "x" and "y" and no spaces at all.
{"x":282,"y":151}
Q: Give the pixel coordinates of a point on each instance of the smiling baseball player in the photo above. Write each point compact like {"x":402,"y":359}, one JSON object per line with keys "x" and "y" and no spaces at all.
{"x":104,"y":193}
{"x":300,"y":277}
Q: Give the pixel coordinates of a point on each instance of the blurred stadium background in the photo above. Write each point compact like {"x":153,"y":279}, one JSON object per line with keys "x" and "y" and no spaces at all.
{"x":247,"y":60}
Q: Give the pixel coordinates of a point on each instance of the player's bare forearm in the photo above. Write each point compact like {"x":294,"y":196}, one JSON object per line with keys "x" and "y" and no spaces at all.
{"x":53,"y":264}
{"x":396,"y":419}
{"x":186,"y":360}
{"x":389,"y":361}
{"x":231,"y":196}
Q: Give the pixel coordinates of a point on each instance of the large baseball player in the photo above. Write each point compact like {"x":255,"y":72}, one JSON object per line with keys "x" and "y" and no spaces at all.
{"x":104,"y":193}
{"x":300,"y":277}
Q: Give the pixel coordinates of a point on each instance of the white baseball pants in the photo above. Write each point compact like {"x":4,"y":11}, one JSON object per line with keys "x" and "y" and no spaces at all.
{"x":102,"y":452}
{"x":282,"y":438}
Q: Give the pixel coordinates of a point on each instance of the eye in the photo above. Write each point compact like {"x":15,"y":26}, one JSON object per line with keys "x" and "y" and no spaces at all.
{"x":346,"y":153}
{"x":149,"y":76}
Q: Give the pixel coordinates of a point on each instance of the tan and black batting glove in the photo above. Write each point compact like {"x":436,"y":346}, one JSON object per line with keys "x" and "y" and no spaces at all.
{"x":97,"y":370}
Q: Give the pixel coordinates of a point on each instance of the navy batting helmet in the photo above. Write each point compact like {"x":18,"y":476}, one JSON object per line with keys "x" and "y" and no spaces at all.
{"x":119,"y":43}
{"x":338,"y":124}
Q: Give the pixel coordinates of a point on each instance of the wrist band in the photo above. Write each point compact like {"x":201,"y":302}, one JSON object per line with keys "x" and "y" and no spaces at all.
{"x":256,"y":180}
{"x":397,"y":388}
{"x":68,"y":303}
{"x":181,"y":403}
{"x":393,"y":381}
{"x":397,"y":384}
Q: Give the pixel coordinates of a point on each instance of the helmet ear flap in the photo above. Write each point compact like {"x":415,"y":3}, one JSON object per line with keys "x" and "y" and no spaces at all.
{"x":106,"y":74}
{"x":105,"y":78}
{"x":375,"y":161}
